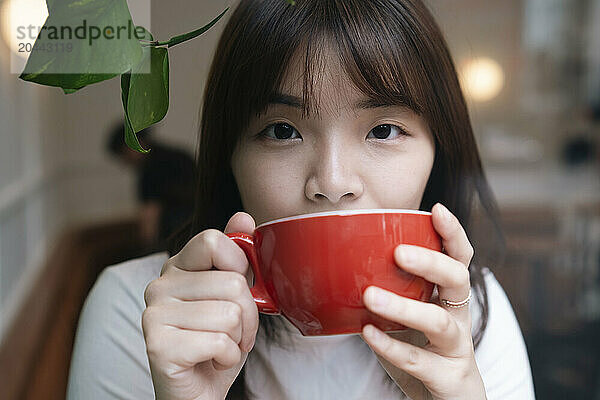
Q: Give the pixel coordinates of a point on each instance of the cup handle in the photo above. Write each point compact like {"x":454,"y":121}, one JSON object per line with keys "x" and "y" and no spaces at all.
{"x":263,"y":301}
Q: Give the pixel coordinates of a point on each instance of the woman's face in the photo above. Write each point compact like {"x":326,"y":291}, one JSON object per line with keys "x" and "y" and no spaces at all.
{"x":353,"y":156}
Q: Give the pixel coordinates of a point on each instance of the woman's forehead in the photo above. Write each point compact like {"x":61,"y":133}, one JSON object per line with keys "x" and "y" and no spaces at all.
{"x":320,"y":77}
{"x":328,"y":87}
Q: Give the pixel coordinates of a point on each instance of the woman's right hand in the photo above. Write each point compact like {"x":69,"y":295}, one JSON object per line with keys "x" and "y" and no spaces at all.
{"x":200,"y":323}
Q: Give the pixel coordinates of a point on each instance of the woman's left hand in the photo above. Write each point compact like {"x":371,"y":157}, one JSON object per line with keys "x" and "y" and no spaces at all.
{"x":441,"y":364}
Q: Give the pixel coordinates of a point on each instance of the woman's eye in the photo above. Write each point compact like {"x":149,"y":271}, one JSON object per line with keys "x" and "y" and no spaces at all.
{"x":281,"y":131}
{"x":386,"y":131}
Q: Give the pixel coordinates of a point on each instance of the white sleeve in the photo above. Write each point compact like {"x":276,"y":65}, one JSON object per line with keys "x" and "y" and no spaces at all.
{"x":502,"y":356}
{"x":109,"y":357}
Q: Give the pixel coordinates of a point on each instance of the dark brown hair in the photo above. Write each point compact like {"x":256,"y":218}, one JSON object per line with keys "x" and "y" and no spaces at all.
{"x":392,"y":50}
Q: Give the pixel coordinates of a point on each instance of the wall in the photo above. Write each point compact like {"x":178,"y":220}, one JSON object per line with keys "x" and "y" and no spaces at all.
{"x":31,"y":209}
{"x":54,"y":170}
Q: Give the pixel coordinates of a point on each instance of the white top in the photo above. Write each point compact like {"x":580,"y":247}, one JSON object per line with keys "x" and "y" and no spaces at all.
{"x":109,"y":358}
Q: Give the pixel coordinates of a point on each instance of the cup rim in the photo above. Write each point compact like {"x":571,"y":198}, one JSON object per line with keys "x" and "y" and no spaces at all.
{"x":345,"y":213}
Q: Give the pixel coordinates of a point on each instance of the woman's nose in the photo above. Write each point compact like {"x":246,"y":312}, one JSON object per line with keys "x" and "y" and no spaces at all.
{"x":334,"y":175}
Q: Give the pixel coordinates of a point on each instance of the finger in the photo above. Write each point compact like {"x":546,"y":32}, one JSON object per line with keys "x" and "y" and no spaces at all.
{"x":187,"y":348}
{"x":209,"y":315}
{"x":454,"y":238}
{"x":432,"y":265}
{"x":179,"y":285}
{"x":435,"y":322}
{"x":212,"y":248}
{"x":451,"y":276}
{"x":413,"y":360}
{"x":240,"y":222}
{"x":208,"y":249}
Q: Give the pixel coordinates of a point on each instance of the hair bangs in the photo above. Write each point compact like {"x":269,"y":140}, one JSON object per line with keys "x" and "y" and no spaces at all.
{"x":379,"y":57}
{"x":378,"y":54}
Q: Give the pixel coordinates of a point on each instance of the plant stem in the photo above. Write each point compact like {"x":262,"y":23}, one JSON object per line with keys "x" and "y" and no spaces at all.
{"x":184,"y":37}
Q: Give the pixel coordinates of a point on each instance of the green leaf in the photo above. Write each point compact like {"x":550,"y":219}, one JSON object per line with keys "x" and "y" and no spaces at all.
{"x":145,"y":95}
{"x":130,"y":138}
{"x":190,"y":35}
{"x":70,"y":91}
{"x":148,"y":97}
{"x":50,"y":4}
{"x":71,"y":25}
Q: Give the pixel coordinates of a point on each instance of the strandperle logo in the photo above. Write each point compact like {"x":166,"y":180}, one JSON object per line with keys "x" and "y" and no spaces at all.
{"x":75,"y":37}
{"x":84,"y":31}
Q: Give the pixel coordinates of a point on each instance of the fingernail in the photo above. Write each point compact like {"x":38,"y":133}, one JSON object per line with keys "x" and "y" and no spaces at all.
{"x":379,"y":298}
{"x":445,"y":212}
{"x":374,"y":333}
{"x":406,"y":254}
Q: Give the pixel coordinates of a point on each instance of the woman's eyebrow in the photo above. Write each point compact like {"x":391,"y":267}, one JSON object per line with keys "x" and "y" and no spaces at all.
{"x":296,"y":102}
{"x":285,"y":99}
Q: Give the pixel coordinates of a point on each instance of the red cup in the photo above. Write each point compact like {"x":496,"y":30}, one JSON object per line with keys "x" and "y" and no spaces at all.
{"x":314,"y":268}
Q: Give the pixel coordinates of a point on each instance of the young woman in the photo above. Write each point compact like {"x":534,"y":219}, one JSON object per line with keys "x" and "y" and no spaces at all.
{"x":325,"y":105}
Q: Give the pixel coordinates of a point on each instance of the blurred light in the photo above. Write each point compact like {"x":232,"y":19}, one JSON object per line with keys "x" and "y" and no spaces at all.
{"x":482,"y":78}
{"x":20,"y":21}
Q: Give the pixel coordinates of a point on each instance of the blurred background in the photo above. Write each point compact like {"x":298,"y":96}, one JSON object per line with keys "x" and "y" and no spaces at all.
{"x":531,"y":71}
